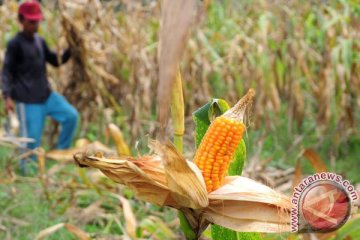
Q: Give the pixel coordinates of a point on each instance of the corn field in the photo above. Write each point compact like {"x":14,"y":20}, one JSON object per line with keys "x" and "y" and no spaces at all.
{"x":301,"y":57}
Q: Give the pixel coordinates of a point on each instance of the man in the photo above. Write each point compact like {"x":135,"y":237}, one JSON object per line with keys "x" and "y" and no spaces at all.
{"x":25,"y":81}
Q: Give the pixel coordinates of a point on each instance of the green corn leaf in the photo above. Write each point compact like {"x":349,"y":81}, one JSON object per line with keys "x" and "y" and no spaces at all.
{"x":202,"y":118}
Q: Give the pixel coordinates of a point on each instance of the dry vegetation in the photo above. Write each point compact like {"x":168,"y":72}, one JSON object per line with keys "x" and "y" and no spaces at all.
{"x":302,"y":57}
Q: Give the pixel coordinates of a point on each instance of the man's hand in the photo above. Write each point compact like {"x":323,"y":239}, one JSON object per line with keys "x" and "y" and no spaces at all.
{"x":9,"y":105}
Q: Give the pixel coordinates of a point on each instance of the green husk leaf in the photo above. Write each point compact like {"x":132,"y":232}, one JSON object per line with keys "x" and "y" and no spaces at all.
{"x":203,"y":116}
{"x":238,"y":162}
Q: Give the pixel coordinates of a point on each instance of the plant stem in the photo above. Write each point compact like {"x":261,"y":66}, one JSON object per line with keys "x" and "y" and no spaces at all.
{"x":177,"y":115}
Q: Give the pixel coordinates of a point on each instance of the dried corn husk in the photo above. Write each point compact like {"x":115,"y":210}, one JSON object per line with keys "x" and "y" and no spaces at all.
{"x":245,"y":205}
{"x":180,"y":174}
{"x":167,"y":179}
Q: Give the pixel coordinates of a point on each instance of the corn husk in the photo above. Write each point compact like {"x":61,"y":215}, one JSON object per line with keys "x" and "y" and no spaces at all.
{"x":180,"y":174}
{"x":245,"y":205}
{"x":126,"y":172}
{"x":165,"y":178}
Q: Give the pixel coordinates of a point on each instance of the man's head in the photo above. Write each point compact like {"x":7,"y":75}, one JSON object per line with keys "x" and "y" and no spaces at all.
{"x":30,"y":15}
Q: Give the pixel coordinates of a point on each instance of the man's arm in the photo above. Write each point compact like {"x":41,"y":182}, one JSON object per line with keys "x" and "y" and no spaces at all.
{"x":8,"y":74}
{"x":52,"y":58}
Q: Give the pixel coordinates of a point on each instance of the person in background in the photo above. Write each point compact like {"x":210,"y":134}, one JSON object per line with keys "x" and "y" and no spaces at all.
{"x":25,"y":84}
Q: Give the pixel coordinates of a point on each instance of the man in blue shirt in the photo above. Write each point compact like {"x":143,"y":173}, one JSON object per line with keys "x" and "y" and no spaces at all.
{"x":25,"y":82}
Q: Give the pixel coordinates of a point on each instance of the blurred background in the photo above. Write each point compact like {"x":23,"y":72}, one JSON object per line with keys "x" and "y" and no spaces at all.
{"x":301,"y":57}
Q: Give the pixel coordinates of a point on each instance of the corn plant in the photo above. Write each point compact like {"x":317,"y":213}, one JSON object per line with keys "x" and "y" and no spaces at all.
{"x":164,"y":179}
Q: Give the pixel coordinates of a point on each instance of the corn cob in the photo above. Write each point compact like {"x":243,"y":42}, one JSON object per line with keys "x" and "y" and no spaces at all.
{"x":219,"y":144}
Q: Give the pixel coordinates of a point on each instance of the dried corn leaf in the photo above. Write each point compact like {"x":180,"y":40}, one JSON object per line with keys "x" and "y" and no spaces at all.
{"x":176,"y":17}
{"x":14,"y":141}
{"x":71,"y":228}
{"x":77,"y":232}
{"x":315,"y":160}
{"x":130,"y":220}
{"x":67,"y":155}
{"x":41,"y":160}
{"x":107,"y":76}
{"x":297,"y":175}
{"x":48,"y":231}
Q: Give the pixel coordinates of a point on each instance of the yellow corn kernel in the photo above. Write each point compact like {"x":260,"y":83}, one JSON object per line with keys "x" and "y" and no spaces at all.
{"x":224,"y":135}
